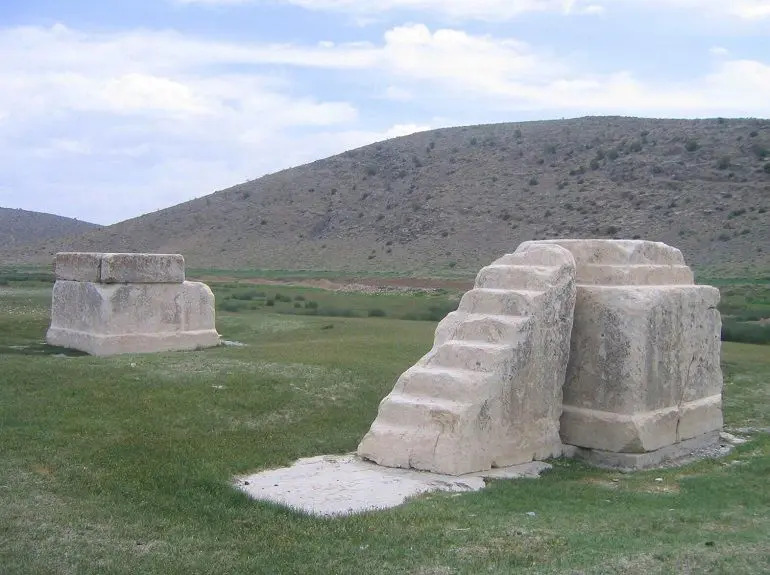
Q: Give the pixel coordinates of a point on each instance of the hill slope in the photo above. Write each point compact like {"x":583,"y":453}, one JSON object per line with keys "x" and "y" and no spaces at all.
{"x":457,"y":198}
{"x":22,"y":227}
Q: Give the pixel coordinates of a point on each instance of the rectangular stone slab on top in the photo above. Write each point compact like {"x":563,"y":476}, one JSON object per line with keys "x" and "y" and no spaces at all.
{"x":120,"y":267}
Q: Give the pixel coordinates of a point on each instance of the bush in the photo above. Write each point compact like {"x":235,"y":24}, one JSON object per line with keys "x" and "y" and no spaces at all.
{"x":723,"y":163}
{"x":691,"y":145}
{"x":232,"y":305}
{"x":247,"y":295}
{"x":282,"y":298}
{"x":270,"y":303}
{"x":745,"y":332}
{"x":376,"y":312}
{"x":310,"y":304}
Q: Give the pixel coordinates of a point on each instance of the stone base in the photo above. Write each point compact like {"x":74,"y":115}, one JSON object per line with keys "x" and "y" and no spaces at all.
{"x":635,"y":461}
{"x":100,"y":344}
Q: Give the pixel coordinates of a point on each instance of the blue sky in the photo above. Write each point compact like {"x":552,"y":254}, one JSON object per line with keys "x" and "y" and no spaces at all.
{"x":111,"y":109}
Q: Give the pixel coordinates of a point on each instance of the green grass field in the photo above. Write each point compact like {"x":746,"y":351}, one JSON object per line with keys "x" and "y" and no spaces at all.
{"x":123,"y":464}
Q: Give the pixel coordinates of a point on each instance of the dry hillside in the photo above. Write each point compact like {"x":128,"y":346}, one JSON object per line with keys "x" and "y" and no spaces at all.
{"x":454,"y":199}
{"x":21,"y":227}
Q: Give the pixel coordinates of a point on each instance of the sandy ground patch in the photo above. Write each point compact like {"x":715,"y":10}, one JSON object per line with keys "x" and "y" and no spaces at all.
{"x":333,"y":485}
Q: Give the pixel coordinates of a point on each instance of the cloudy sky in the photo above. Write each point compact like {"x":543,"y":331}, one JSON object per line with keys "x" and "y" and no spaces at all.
{"x":110,"y":108}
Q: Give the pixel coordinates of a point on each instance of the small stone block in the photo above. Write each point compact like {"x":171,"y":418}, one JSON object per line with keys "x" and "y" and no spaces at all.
{"x":78,"y":266}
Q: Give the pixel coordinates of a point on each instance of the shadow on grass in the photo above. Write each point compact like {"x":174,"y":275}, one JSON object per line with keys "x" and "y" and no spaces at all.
{"x":39,"y":349}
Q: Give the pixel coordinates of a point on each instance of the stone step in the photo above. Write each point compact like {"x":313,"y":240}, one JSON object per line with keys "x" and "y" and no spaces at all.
{"x":462,"y":385}
{"x":471,"y":355}
{"x":500,"y":301}
{"x":485,"y":328}
{"x":490,"y":328}
{"x":517,"y":277}
{"x":401,"y":409}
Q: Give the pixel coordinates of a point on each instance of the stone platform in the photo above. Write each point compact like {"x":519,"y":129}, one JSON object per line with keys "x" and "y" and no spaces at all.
{"x":112,"y":303}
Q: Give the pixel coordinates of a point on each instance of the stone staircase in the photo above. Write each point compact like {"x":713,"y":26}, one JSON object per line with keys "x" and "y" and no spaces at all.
{"x":488,"y":394}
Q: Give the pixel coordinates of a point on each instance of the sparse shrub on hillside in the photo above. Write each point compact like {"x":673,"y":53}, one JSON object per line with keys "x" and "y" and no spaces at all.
{"x":767,"y":168}
{"x":594,"y":165}
{"x":691,"y":145}
{"x":517,"y":134}
{"x":760,"y":151}
{"x":376,"y":312}
{"x":723,"y":163}
{"x":613,"y":154}
{"x":371,"y":170}
{"x":533,"y":181}
{"x":310,"y":304}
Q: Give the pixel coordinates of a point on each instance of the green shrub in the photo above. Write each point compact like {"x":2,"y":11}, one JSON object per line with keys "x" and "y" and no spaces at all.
{"x":282,"y":298}
{"x":231,"y":305}
{"x":247,"y":295}
{"x":310,"y":304}
{"x":745,"y":332}
{"x":691,"y":145}
{"x":376,"y":312}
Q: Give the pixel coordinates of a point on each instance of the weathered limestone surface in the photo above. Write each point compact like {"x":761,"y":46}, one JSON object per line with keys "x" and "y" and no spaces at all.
{"x":488,"y":394}
{"x":644,"y":370}
{"x":107,"y":304}
{"x":142,"y":268}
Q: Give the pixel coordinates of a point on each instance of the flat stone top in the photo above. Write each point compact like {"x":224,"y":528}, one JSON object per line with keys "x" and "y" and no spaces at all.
{"x":120,"y":267}
{"x":620,"y":252}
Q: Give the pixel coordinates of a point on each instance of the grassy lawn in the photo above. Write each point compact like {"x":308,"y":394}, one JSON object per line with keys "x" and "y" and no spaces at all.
{"x":122,"y":464}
